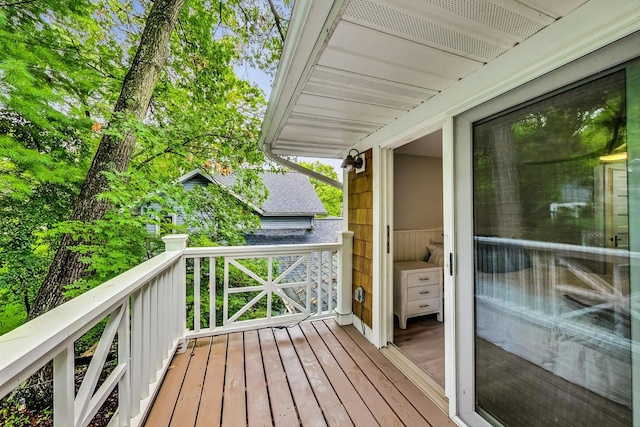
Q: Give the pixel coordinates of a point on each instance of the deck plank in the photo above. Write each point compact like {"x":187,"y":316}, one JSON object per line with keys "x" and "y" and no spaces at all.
{"x":165,"y":402}
{"x":396,"y":400}
{"x":380,"y":409}
{"x":282,"y":406}
{"x":334,"y":412}
{"x":189,"y":399}
{"x":423,"y":404}
{"x":234,"y":411}
{"x":314,"y":374}
{"x":390,"y":370}
{"x":353,"y":403}
{"x":258,"y":409}
{"x":210,"y":410}
{"x":308,"y":408}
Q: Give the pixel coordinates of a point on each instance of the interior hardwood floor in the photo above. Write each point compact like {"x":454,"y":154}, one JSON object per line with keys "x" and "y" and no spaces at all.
{"x":423,"y":342}
{"x":313,"y":374}
{"x":519,"y":393}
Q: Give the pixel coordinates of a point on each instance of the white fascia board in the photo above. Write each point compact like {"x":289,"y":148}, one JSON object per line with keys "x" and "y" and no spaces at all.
{"x":590,"y":27}
{"x":311,"y":26}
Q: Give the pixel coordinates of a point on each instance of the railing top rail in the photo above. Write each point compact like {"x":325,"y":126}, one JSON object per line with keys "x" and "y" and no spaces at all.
{"x":257,"y":251}
{"x":559,"y":248}
{"x":37,"y":339}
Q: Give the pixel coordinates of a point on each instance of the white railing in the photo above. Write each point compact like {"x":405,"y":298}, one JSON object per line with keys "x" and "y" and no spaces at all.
{"x":534,"y":275}
{"x":145,"y":311}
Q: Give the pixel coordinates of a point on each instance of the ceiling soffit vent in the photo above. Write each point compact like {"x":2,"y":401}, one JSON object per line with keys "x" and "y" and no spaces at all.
{"x":522,"y":23}
{"x":485,"y":31}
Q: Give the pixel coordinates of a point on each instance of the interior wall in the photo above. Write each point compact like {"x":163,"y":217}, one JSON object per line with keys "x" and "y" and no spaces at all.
{"x":417,"y":186}
{"x":360,"y":187}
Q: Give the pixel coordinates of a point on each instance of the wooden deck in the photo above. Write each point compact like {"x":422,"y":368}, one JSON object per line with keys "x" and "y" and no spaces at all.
{"x":313,"y":374}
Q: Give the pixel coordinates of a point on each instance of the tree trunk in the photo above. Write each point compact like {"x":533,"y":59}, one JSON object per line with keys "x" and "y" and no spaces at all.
{"x":113,"y":153}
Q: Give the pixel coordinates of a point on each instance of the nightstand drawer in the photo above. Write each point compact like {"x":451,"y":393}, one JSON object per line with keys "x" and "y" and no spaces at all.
{"x":426,"y":278}
{"x":422,"y":292}
{"x":423,"y":306}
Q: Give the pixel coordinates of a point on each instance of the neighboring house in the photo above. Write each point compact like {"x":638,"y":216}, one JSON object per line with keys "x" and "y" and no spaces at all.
{"x":287,"y":217}
{"x":292,"y":202}
{"x":496,"y":113}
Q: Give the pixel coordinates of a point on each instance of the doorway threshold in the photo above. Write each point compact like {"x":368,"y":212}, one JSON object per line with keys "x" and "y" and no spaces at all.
{"x":425,"y":382}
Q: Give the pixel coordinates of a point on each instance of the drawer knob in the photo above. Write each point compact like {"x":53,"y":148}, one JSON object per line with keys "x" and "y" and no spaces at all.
{"x":424,"y":292}
{"x":424,"y":305}
{"x":424,"y":279}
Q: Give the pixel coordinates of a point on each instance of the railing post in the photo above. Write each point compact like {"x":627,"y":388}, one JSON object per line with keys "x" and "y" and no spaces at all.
{"x":175,"y":242}
{"x":178,"y":242}
{"x":345,"y":276}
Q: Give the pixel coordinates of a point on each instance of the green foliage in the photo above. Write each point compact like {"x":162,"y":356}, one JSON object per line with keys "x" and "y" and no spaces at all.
{"x":549,"y":145}
{"x":331,"y":197}
{"x":61,"y":66}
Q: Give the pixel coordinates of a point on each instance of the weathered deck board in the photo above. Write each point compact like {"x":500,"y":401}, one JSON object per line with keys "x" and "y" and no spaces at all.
{"x":334,"y":412}
{"x":189,"y":399}
{"x":168,"y":396}
{"x":398,"y":403}
{"x":282,"y":407}
{"x":211,"y":400}
{"x":308,"y":408}
{"x":367,"y":390}
{"x":234,"y":411}
{"x":313,"y":374}
{"x":258,"y":412}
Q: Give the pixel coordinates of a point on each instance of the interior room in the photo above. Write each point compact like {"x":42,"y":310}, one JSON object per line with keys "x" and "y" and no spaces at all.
{"x":418,"y":253}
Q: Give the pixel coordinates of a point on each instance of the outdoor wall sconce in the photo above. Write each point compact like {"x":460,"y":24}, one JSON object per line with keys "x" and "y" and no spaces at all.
{"x":351,"y":162}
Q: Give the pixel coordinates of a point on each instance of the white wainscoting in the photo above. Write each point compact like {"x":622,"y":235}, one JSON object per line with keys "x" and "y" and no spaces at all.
{"x":410,"y":245}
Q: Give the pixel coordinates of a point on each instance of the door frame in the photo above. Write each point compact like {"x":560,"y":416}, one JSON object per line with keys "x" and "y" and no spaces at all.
{"x":585,"y":67}
{"x":383,"y":203}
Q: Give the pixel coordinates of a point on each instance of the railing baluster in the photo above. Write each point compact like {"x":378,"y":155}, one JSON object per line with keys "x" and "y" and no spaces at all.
{"x":182,"y":298}
{"x":196,"y":294}
{"x":212,"y":293}
{"x":153,"y":330}
{"x":330,"y":283}
{"x":173,"y":325}
{"x":146,"y":338}
{"x":63,"y":387}
{"x":135,"y":372}
{"x":270,"y":286}
{"x":162,"y":314}
{"x":319,"y":283}
{"x":225,"y":304}
{"x":124,"y":357}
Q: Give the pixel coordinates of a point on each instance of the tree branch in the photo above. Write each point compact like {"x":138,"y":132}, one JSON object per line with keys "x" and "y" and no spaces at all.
{"x":277,"y":18}
{"x":17,"y":3}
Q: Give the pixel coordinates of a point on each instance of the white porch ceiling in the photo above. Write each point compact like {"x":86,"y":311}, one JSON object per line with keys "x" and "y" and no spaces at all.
{"x":386,"y":57}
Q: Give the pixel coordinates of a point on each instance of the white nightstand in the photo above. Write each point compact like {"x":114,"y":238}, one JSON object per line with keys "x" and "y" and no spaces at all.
{"x":417,"y":290}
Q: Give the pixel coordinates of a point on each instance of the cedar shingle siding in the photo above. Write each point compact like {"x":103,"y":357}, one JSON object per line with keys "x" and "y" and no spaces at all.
{"x":361,"y":223}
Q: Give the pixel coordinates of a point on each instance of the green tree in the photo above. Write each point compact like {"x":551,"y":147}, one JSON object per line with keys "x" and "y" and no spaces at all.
{"x":330,"y":196}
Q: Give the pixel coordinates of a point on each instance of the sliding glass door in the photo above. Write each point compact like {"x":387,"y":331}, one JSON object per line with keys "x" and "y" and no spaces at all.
{"x":549,"y":263}
{"x":551,"y":232}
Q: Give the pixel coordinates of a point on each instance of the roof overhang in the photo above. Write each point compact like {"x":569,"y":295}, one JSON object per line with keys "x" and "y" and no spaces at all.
{"x":351,"y":67}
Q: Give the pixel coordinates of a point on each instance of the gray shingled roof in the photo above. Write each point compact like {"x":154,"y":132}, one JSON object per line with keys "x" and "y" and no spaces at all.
{"x":324,"y":231}
{"x":290,"y":194}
